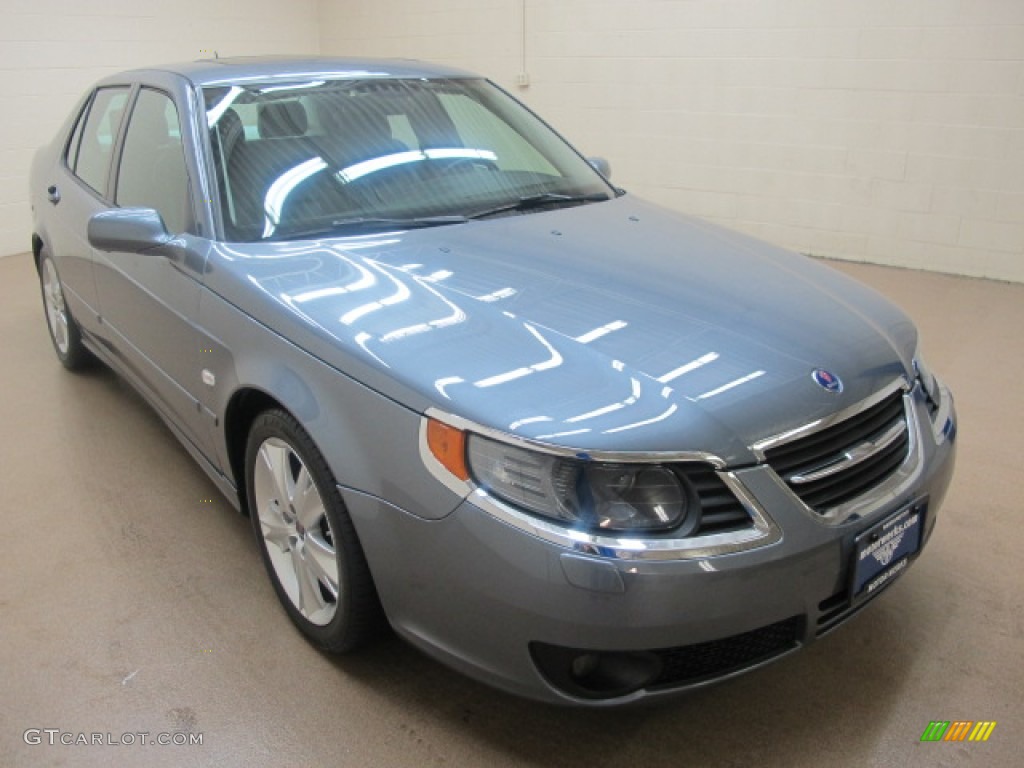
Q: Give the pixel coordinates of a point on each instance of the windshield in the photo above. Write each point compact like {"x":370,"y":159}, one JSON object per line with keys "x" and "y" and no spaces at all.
{"x":308,"y":158}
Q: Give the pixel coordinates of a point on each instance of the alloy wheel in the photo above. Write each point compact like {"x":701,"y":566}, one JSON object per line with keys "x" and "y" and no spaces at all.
{"x":56,"y":312}
{"x":293,"y":522}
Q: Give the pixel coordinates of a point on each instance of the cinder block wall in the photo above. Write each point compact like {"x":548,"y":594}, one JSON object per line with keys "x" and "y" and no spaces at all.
{"x":877,"y":130}
{"x":873,"y":130}
{"x":52,"y":50}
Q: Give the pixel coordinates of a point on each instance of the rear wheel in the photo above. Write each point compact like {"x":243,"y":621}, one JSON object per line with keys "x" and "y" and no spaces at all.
{"x":306,"y":536}
{"x":64,"y":332}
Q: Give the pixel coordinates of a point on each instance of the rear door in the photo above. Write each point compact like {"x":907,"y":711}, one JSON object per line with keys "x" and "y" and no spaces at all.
{"x":77,"y":187}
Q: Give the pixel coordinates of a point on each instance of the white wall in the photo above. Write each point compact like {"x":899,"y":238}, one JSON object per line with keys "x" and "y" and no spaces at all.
{"x":879,"y":130}
{"x":52,"y":50}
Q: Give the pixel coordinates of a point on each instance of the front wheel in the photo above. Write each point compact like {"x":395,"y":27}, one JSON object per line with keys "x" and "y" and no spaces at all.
{"x":64,"y":332}
{"x":306,"y":537}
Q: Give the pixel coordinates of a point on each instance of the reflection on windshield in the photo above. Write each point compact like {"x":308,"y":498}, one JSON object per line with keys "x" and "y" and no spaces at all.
{"x":216,"y":111}
{"x":295,"y":157}
{"x":359,"y":170}
{"x":282,"y":187}
{"x":291,"y":86}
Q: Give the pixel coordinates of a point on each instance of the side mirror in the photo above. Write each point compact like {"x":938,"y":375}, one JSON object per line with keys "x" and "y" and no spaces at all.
{"x":127,"y":229}
{"x":601,"y":165}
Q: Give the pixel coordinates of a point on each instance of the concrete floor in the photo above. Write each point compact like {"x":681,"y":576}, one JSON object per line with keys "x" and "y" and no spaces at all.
{"x":132,"y":599}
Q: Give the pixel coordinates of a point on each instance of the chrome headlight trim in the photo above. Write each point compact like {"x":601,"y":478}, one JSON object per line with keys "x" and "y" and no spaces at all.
{"x":620,"y":457}
{"x":942,"y":423}
{"x":762,"y":532}
{"x":938,"y":393}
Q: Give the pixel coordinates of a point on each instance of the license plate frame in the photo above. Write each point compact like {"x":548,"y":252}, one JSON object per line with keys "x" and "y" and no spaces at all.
{"x":883,"y":551}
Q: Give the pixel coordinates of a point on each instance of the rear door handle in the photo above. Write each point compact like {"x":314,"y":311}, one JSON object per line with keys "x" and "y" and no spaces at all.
{"x":53,"y":194}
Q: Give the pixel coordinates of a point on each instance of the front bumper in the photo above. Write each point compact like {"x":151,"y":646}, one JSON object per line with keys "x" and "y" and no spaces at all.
{"x":493,"y":602}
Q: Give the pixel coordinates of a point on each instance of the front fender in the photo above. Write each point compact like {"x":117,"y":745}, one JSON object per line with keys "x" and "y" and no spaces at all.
{"x":370,"y":441}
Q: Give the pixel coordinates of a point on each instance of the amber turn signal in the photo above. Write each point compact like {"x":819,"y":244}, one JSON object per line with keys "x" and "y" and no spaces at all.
{"x":448,"y":445}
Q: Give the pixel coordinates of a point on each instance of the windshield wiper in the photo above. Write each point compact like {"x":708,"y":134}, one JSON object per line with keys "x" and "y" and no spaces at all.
{"x":539,"y":201}
{"x":341,"y":226}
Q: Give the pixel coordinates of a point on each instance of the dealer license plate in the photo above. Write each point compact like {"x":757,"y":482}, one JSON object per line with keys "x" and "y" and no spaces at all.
{"x":883,"y":552}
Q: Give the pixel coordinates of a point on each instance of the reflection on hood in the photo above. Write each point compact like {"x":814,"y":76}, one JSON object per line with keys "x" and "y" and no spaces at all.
{"x":608,"y":325}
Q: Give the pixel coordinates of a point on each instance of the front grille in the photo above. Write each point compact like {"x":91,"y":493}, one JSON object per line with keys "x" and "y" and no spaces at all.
{"x":721,"y":511}
{"x":830,"y":446}
{"x":690,"y":664}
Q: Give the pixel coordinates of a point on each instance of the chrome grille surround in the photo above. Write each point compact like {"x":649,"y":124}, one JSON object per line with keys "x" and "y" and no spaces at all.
{"x":869,"y":499}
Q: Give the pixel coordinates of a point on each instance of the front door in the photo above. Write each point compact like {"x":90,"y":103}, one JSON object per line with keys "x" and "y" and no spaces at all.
{"x":149,"y":301}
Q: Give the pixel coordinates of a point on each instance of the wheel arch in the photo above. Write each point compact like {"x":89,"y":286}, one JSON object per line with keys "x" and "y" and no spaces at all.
{"x":245,"y":405}
{"x":37,"y":248}
{"x":370,"y":441}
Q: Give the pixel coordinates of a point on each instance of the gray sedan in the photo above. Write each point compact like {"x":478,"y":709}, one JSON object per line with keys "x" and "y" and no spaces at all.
{"x":575,"y":445}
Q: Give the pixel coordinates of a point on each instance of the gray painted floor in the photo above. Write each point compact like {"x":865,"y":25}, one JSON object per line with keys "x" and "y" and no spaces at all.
{"x":132,"y":599}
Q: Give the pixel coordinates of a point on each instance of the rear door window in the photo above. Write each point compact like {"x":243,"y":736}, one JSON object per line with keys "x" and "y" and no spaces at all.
{"x":76,"y":137}
{"x":95,"y":146}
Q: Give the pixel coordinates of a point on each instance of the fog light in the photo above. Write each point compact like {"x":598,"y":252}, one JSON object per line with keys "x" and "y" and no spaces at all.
{"x":595,"y":674}
{"x":584,"y":665}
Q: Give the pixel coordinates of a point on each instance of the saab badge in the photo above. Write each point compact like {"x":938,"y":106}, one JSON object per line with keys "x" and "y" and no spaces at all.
{"x":827,"y":380}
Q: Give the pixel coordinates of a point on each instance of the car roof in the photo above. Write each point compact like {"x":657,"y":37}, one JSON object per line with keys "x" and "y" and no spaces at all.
{"x":238,"y":69}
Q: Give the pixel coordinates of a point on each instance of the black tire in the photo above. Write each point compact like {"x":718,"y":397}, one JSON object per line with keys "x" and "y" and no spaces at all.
{"x":294,"y":546}
{"x":64,"y":332}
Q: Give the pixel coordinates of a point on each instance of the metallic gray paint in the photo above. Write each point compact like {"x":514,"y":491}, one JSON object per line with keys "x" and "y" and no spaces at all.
{"x":518,"y":583}
{"x":127,"y":229}
{"x":417,"y":312}
{"x":615,"y":328}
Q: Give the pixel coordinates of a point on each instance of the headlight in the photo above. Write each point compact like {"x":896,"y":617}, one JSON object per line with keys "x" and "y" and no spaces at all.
{"x":598,"y":496}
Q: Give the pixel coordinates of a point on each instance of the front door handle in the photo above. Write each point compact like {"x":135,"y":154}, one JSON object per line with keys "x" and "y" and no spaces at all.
{"x":53,"y":194}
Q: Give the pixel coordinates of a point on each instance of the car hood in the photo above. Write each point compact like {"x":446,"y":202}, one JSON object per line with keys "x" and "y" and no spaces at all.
{"x":616,"y":326}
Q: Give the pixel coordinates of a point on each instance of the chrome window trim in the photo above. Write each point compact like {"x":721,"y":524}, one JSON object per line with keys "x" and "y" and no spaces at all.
{"x":762,"y":532}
